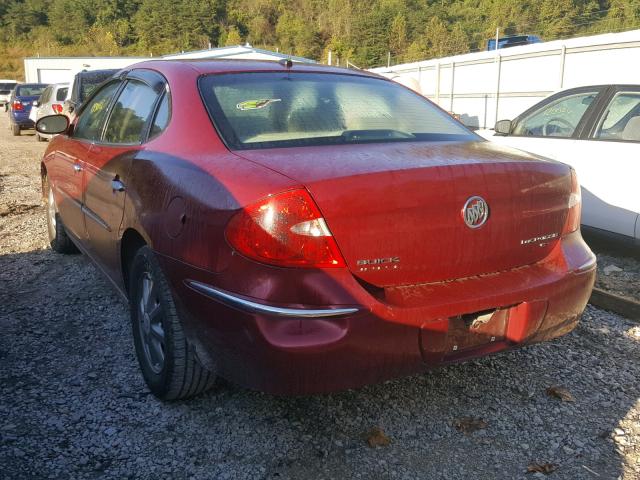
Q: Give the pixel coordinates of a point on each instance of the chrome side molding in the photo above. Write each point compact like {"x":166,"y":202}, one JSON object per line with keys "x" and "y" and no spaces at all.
{"x":254,"y":307}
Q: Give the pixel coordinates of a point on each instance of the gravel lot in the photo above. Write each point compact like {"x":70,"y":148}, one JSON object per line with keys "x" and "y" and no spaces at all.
{"x":73,"y":404}
{"x":620,"y":275}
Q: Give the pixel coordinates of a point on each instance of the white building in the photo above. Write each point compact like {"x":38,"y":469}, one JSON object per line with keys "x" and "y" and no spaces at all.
{"x":62,"y":69}
{"x":487,"y":86}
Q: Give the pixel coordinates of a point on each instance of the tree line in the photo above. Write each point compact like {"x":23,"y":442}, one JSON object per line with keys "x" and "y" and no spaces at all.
{"x":365,"y":32}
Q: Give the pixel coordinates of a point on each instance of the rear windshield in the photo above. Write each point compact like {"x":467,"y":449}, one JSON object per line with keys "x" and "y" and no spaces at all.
{"x":30,"y":90}
{"x":270,"y":110}
{"x":6,"y":87}
{"x":61,"y":95}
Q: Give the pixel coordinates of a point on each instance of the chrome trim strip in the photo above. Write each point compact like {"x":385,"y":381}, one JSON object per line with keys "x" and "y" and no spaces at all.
{"x":254,"y":307}
{"x":587,"y":265}
{"x":90,"y":214}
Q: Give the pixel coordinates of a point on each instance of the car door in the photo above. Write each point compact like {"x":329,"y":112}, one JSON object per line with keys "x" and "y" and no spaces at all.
{"x":69,"y":160}
{"x":554,"y":127}
{"x":607,"y":158}
{"x":106,"y":175}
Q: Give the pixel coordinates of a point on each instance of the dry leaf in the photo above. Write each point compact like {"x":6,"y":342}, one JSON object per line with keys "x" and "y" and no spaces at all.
{"x":377,"y":438}
{"x":560,"y":392}
{"x":469,"y":424}
{"x":545,"y":468}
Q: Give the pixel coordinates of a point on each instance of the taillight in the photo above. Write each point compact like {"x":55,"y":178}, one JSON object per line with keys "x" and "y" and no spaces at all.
{"x":57,"y":108}
{"x":17,"y":106}
{"x":574,"y":207}
{"x":286,"y":229}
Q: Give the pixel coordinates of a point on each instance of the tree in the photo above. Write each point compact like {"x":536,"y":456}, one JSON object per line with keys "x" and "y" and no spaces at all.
{"x":233,"y":37}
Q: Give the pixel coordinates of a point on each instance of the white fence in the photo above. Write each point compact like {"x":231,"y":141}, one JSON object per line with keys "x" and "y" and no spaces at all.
{"x":486,"y":86}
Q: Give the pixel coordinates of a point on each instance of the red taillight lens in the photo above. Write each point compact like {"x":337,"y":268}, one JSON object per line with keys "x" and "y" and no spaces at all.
{"x":17,"y":106}
{"x":57,"y":108}
{"x":285,"y":229}
{"x":574,"y":207}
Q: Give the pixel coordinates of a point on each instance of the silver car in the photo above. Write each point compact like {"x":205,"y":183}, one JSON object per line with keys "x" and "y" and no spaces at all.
{"x":50,"y":103}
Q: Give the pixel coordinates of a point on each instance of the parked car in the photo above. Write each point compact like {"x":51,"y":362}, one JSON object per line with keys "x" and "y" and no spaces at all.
{"x":513,"y":41}
{"x":5,"y":92}
{"x":302,"y":228}
{"x":82,"y":85}
{"x":49,"y":103}
{"x":596,"y":130}
{"x":20,"y":103}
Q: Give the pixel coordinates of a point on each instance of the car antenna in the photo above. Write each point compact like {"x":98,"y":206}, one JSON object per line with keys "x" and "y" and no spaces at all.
{"x":286,"y":62}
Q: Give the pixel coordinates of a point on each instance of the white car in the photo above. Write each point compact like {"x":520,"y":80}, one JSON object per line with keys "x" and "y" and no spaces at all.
{"x":596,"y":130}
{"x":50,"y":103}
{"x":6,"y":86}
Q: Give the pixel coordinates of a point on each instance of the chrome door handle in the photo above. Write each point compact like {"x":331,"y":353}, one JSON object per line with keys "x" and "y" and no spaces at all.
{"x":77,"y":167}
{"x":117,"y":185}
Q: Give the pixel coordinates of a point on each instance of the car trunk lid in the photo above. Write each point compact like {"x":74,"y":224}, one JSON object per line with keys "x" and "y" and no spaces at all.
{"x":395,"y":210}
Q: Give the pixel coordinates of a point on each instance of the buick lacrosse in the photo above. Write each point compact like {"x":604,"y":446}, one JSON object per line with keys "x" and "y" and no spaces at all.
{"x":296,"y":228}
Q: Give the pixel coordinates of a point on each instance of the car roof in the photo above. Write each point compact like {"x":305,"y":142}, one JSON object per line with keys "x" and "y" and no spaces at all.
{"x":207,"y":66}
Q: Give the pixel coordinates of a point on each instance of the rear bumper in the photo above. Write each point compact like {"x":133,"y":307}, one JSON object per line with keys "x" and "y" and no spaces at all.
{"x":22,"y":120}
{"x":377,"y":338}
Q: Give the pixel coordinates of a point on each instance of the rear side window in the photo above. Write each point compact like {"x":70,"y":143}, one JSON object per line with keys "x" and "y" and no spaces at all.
{"x":161,"y":119}
{"x":89,"y":81}
{"x":46,"y":95}
{"x":130,"y":114}
{"x":621,"y":120}
{"x":91,"y":120}
{"x":61,"y":95}
{"x":266,"y":110}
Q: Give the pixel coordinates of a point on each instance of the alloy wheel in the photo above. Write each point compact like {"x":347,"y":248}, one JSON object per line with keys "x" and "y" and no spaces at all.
{"x":150,"y":323}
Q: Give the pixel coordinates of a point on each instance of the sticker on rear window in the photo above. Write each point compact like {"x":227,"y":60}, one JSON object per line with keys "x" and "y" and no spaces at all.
{"x":256,"y":104}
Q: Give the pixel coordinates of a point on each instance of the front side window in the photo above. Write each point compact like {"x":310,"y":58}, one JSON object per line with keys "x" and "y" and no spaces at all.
{"x":91,"y":120}
{"x":130,"y":113}
{"x":621,"y":120}
{"x":267,"y":110}
{"x":559,"y":118}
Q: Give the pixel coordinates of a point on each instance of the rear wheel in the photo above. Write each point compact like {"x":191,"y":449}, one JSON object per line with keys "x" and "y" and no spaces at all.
{"x":58,"y":238}
{"x":169,"y":364}
{"x":15,"y":129}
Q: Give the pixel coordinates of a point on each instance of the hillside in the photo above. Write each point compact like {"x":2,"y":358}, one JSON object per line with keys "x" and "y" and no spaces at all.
{"x":363,"y":32}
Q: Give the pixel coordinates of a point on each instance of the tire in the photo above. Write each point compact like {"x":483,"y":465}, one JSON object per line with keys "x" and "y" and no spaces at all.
{"x":15,"y":129}
{"x":58,"y":238}
{"x":169,"y":364}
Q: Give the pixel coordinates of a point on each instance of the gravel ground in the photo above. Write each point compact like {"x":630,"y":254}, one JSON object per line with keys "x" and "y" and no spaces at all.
{"x":73,"y":404}
{"x":618,"y":274}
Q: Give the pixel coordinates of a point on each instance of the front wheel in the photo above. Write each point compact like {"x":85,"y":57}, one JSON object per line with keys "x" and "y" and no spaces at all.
{"x":169,"y":364}
{"x":58,"y":238}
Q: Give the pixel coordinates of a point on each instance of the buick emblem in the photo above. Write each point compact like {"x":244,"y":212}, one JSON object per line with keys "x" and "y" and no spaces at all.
{"x":475,"y":212}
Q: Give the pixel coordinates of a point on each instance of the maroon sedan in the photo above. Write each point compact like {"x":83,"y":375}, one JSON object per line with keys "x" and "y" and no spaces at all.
{"x":299,"y":228}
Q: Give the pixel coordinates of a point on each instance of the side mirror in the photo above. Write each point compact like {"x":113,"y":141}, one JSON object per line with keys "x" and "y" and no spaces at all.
{"x":503,"y":127}
{"x":36,"y":103}
{"x":53,"y":124}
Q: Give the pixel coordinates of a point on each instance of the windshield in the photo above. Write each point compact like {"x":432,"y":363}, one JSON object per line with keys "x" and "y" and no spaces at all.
{"x":30,"y":90}
{"x":268,"y":110}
